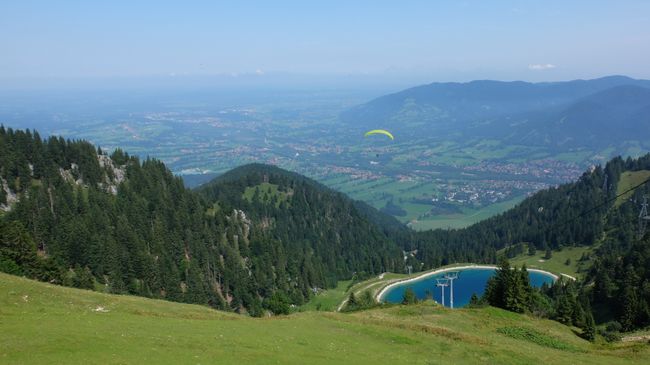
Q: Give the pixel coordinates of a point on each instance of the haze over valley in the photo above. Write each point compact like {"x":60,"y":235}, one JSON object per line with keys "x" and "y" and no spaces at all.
{"x":463,"y":152}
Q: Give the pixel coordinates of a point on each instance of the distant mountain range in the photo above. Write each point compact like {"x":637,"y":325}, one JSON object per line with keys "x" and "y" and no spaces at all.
{"x":582,"y":113}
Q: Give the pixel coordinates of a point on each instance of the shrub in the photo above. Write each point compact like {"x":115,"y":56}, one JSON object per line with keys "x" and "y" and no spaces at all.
{"x":409,"y":297}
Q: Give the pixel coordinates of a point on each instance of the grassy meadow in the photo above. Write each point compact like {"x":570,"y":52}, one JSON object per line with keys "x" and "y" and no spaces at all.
{"x":628,"y":180}
{"x":46,"y":324}
{"x":558,"y":263}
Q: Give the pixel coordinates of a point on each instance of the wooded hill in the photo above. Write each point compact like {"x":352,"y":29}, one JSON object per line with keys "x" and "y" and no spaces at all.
{"x":79,"y":217}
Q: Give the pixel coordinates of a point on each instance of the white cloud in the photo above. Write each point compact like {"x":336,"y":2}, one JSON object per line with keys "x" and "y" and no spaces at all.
{"x":541,"y":66}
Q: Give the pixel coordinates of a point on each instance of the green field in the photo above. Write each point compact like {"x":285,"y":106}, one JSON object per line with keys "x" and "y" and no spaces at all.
{"x":328,"y":300}
{"x":266,"y":192}
{"x":46,"y":324}
{"x":403,"y":193}
{"x":628,"y":180}
{"x":469,"y":216}
{"x":557,"y":263}
{"x":332,"y":299}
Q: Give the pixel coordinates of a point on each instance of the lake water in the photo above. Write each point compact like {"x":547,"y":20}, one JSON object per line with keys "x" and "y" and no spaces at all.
{"x":470,"y":281}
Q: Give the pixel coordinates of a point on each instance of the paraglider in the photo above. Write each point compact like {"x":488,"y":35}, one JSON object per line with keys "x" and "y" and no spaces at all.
{"x":379,"y":131}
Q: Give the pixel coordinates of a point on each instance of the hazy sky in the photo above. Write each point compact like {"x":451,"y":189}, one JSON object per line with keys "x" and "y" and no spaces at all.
{"x":435,"y":40}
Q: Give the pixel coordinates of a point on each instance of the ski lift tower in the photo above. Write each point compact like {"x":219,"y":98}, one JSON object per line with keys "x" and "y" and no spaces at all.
{"x":643,"y":217}
{"x":442,"y":283}
{"x":451,"y":276}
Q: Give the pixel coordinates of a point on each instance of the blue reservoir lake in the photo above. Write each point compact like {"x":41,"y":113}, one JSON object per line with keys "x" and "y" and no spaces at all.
{"x":470,"y":280}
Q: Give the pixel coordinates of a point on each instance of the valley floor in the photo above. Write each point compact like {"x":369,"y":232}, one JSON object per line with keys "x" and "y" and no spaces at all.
{"x":42,"y":323}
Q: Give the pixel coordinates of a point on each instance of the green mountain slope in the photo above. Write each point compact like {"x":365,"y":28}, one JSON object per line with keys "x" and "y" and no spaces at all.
{"x":44,"y":324}
{"x":574,"y":214}
{"x":610,"y":117}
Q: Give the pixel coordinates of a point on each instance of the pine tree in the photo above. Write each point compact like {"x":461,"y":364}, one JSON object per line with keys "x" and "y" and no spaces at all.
{"x":409,"y":297}
{"x":509,"y":288}
{"x":629,"y":308}
{"x":564,"y":309}
{"x":17,"y":245}
{"x":516,"y":294}
{"x":474,"y":301}
{"x":367,"y":299}
{"x":495,"y":291}
{"x":532,"y":250}
{"x":352,"y":301}
{"x":3,"y":194}
{"x":549,"y":254}
{"x":278,"y":303}
{"x":589,"y":327}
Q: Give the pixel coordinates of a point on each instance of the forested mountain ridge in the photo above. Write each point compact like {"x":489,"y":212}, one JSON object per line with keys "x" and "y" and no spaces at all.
{"x":500,"y":96}
{"x":558,"y":115}
{"x":75,"y":216}
{"x":617,"y":114}
{"x":583,"y":213}
{"x":578,"y":213}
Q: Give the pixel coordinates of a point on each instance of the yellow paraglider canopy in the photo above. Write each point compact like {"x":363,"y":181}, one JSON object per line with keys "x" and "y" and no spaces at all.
{"x":379,"y":131}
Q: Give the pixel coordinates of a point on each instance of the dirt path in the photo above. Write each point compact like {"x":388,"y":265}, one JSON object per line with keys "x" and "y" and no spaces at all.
{"x":635,"y":338}
{"x":569,"y":277}
{"x":338,"y":309}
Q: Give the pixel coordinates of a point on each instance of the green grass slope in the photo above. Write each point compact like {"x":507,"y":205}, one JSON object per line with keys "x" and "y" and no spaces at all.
{"x":557,"y":264}
{"x":328,"y":300}
{"x":628,"y":180}
{"x":266,"y":192}
{"x":46,"y":324}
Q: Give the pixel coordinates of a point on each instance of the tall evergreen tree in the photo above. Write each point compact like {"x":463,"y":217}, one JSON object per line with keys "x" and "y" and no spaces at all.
{"x":409,"y":297}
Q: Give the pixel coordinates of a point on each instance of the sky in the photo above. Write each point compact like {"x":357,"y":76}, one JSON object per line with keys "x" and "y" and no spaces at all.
{"x":420,"y":40}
